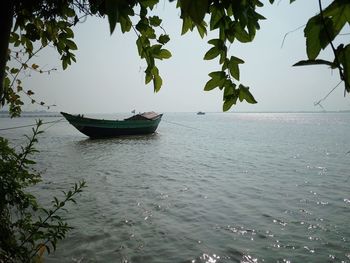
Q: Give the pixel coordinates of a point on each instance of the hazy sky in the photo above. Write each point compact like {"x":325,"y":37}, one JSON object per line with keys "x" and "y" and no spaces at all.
{"x":108,"y":76}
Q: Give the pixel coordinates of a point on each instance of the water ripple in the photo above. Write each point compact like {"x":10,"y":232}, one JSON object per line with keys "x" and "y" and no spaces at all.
{"x":243,"y":188}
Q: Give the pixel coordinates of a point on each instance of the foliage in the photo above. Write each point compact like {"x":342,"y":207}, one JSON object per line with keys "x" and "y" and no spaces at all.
{"x":46,"y":22}
{"x":320,"y":32}
{"x":38,"y":24}
{"x":26,"y":228}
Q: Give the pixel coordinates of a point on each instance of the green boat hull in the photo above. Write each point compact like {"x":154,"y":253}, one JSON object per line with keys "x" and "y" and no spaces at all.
{"x":97,"y":128}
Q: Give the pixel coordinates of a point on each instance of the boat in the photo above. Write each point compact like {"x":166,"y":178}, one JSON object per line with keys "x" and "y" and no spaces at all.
{"x":143,"y":123}
{"x":200,"y":113}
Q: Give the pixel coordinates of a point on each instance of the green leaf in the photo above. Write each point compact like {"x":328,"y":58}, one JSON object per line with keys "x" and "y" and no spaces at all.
{"x":228,"y":104}
{"x":72,"y":57}
{"x":241,"y":34}
{"x":223,"y":55}
{"x":314,"y":62}
{"x":155,"y":21}
{"x":218,"y":79}
{"x":155,"y":49}
{"x":148,"y":77}
{"x":187,"y":24}
{"x":316,"y":37}
{"x":29,"y":45}
{"x":142,"y":25}
{"x":141,"y":44}
{"x":71,"y":44}
{"x":339,"y":12}
{"x":211,"y":84}
{"x":216,"y":42}
{"x":211,"y":53}
{"x":14,"y":70}
{"x":13,"y":37}
{"x":252,"y":29}
{"x":70,"y":12}
{"x":69,"y":32}
{"x":125,"y":23}
{"x":344,"y":58}
{"x":217,"y":13}
{"x":229,"y":89}
{"x":159,"y":53}
{"x":163,"y":39}
{"x":64,"y":63}
{"x":164,"y":54}
{"x":157,"y":82}
{"x":145,"y":29}
{"x":229,"y":101}
{"x":217,"y":75}
{"x":244,"y":94}
{"x":236,"y":60}
{"x":112,"y":13}
{"x":195,"y":9}
{"x":233,"y":66}
{"x":202,"y":29}
{"x":148,"y":3}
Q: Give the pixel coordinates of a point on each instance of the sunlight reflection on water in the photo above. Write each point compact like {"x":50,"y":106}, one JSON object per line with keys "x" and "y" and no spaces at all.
{"x":240,"y":188}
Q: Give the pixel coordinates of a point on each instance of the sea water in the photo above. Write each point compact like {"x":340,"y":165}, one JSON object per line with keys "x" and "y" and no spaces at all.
{"x":215,"y":188}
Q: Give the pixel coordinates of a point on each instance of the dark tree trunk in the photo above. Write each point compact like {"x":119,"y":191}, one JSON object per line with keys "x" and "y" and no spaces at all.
{"x":6,"y":20}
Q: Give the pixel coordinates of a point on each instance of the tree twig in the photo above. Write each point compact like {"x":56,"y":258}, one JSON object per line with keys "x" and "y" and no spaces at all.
{"x":318,"y":103}
{"x":25,"y":65}
{"x":292,"y":31}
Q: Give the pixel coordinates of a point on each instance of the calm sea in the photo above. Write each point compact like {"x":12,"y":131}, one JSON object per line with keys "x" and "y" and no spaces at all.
{"x":241,"y":187}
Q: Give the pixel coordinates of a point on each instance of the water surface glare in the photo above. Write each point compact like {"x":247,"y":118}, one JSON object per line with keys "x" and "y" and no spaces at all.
{"x":243,"y":187}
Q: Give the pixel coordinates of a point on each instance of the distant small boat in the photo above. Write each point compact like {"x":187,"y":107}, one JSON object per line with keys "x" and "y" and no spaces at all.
{"x":200,"y":113}
{"x":145,"y":123}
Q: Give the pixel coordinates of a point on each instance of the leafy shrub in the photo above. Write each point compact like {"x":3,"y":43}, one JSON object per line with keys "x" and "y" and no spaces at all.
{"x":27,"y":229}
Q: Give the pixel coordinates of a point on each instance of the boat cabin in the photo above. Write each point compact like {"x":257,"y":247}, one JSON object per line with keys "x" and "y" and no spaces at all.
{"x":151,"y":115}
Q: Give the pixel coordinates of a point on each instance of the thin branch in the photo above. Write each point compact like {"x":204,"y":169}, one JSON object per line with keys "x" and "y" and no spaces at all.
{"x":318,"y":103}
{"x":68,"y":197}
{"x":33,"y":69}
{"x":29,"y":147}
{"x":292,"y":31}
{"x":24,"y":65}
{"x":15,"y":58}
{"x":45,"y":244}
{"x":163,"y":29}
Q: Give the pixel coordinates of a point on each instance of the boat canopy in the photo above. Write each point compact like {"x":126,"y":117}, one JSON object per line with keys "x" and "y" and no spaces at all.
{"x":151,"y":115}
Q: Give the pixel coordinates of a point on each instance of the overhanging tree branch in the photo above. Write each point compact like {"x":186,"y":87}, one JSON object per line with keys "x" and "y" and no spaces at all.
{"x":336,"y":58}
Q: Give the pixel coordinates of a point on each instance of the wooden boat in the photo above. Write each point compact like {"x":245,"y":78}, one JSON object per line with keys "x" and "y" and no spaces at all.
{"x":145,"y":123}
